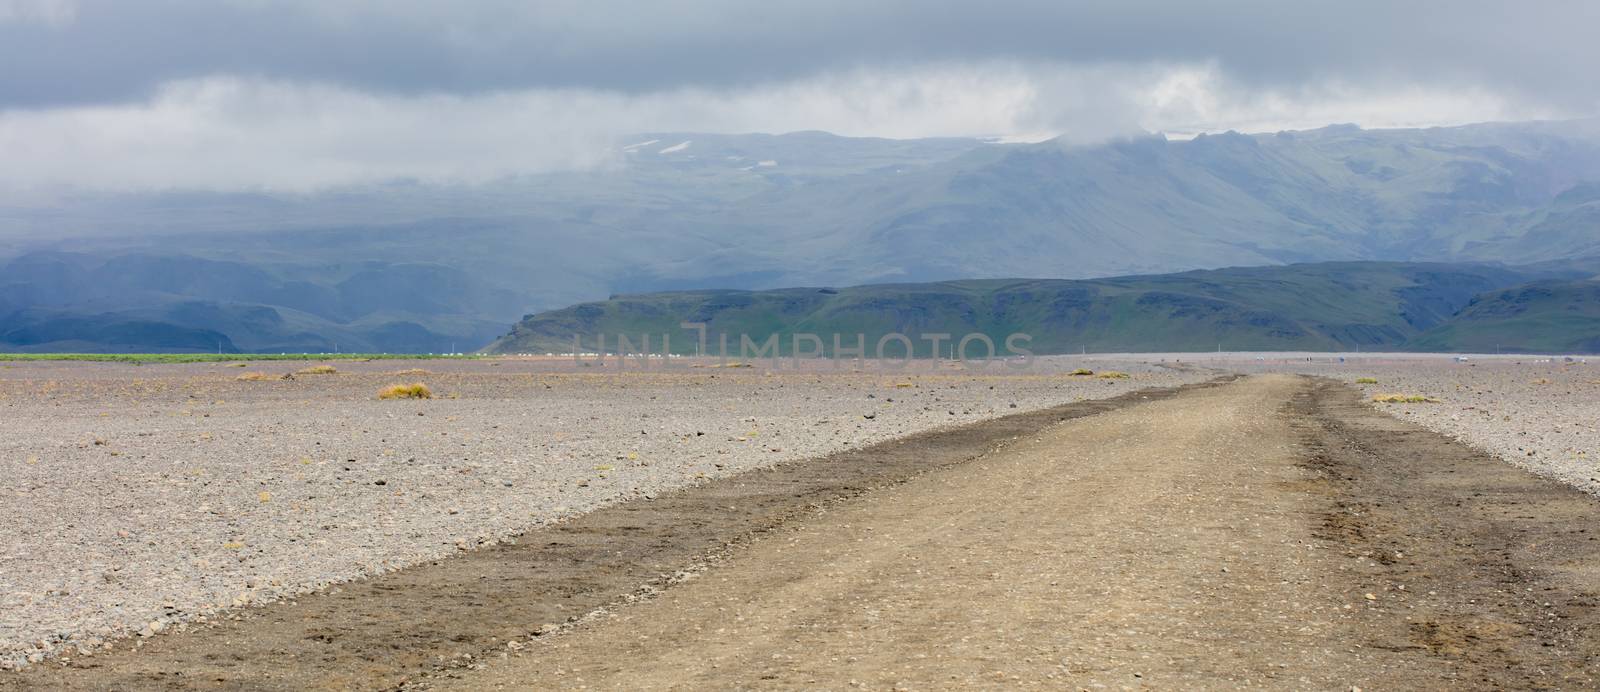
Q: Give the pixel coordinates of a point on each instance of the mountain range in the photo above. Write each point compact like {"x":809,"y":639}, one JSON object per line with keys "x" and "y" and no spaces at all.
{"x":428,"y":266}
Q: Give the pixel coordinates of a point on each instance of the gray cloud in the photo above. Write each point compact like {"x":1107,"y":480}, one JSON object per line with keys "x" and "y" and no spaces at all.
{"x":304,"y":94}
{"x":230,"y":133}
{"x":117,"y":50}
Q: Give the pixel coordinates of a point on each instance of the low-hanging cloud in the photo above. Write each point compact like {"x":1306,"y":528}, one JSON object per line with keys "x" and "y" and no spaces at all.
{"x":99,"y":51}
{"x":54,"y":13}
{"x":227,"y":133}
{"x":306,"y":94}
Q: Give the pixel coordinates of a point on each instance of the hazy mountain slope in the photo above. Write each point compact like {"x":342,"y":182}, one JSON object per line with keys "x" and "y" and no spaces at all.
{"x":71,"y":301}
{"x":1543,"y":317}
{"x":684,"y":211}
{"x":1317,"y":307}
{"x":45,"y":332}
{"x":750,"y":211}
{"x":405,"y":267}
{"x":1479,"y":193}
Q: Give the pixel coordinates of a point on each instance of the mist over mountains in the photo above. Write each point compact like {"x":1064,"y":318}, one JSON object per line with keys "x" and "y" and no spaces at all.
{"x":414,"y":267}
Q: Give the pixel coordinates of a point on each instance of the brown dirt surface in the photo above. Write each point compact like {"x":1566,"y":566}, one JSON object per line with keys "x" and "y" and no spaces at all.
{"x":1275,"y":532}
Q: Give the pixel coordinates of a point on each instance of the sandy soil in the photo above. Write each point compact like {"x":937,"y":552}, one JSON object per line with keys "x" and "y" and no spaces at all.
{"x":139,"y":499}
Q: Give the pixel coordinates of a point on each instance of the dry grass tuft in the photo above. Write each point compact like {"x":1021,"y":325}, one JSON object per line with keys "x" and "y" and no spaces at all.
{"x":1366,"y":380}
{"x":416,"y":390}
{"x":1112,"y":375}
{"x":1082,"y":372}
{"x":255,"y":377}
{"x":412,"y":371}
{"x":318,"y":370}
{"x":1404,"y":399}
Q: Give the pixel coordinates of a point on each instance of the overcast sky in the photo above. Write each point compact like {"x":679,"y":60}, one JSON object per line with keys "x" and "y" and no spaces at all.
{"x":300,"y":94}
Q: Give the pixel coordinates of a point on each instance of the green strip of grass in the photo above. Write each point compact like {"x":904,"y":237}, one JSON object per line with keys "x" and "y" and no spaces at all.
{"x":217,"y":357}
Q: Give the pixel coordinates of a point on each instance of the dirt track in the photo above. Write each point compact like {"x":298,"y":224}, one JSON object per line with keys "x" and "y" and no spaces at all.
{"x":1270,"y":532}
{"x":1186,"y":543}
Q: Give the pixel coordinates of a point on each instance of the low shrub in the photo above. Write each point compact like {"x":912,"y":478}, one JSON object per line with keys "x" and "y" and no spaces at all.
{"x":318,"y":370}
{"x":1082,"y":372}
{"x":1366,"y":380}
{"x":1112,"y":375}
{"x":416,"y":390}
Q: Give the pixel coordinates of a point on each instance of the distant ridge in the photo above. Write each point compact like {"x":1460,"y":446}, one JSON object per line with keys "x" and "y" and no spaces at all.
{"x":1541,"y":317}
{"x":1318,"y":307}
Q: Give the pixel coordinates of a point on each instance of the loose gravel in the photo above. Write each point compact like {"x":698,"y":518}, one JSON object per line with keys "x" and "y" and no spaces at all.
{"x":146,"y":497}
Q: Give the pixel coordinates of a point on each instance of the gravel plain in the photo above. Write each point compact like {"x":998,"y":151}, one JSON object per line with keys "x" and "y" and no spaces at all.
{"x":140,"y":498}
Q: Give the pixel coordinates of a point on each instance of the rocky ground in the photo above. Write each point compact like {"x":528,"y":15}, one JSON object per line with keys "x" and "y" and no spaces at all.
{"x":142,"y":498}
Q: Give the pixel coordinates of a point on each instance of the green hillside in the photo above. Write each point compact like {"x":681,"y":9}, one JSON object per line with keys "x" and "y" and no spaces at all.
{"x":1542,"y":317}
{"x":1330,"y":306}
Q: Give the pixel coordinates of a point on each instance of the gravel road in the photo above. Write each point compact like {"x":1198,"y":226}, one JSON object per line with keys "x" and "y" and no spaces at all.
{"x":1126,"y":548}
{"x":1270,"y":533}
{"x":141,"y":499}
